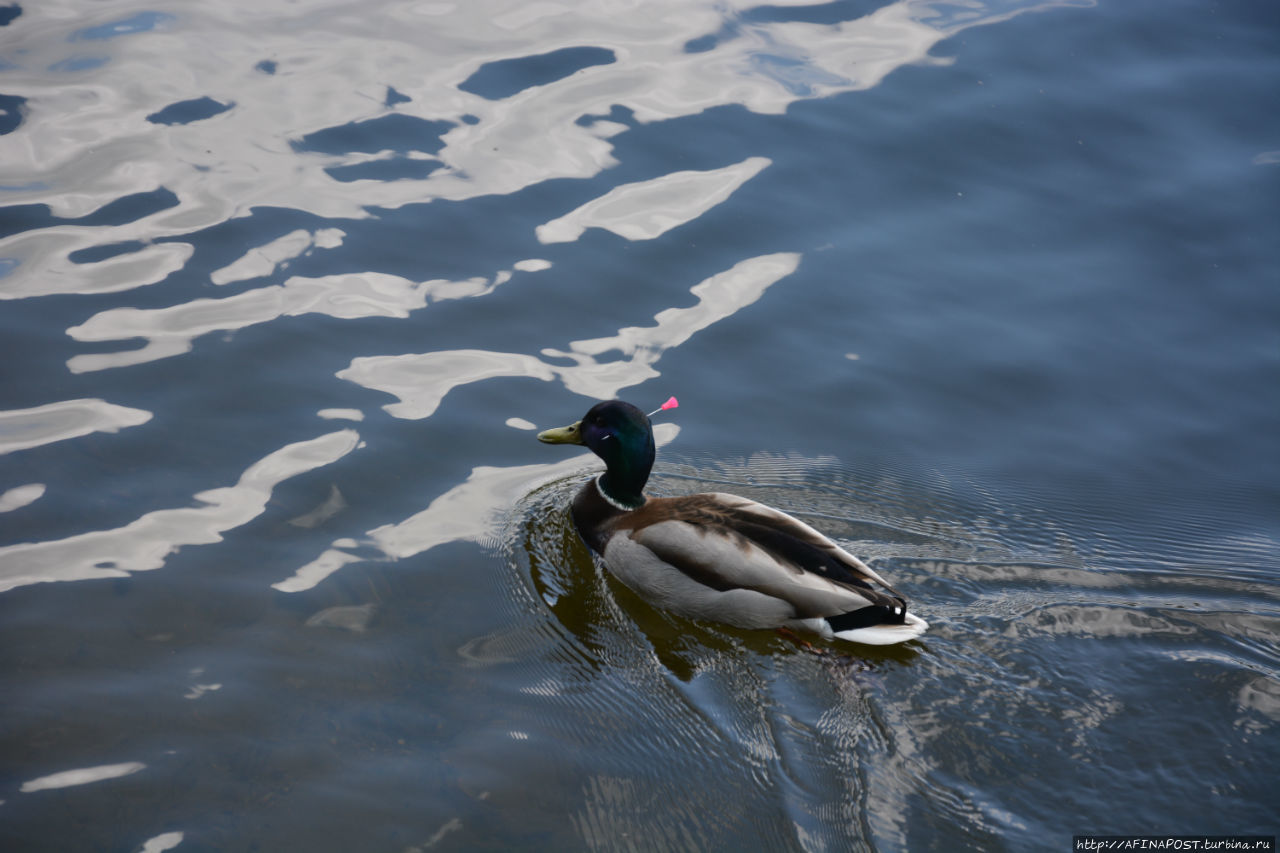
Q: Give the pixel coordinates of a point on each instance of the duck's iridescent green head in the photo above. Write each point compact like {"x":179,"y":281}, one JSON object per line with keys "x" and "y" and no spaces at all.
{"x":621,"y":435}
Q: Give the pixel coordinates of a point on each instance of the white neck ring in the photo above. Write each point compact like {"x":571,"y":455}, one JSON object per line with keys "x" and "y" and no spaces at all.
{"x":610,"y":501}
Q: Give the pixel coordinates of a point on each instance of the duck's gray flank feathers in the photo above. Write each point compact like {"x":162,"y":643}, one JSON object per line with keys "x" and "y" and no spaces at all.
{"x":722,"y":543}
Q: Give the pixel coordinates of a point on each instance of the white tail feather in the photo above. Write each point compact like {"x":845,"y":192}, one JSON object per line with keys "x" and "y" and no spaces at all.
{"x":886,"y":635}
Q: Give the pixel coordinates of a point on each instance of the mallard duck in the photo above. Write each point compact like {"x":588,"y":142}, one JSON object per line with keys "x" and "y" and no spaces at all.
{"x":717,"y":556}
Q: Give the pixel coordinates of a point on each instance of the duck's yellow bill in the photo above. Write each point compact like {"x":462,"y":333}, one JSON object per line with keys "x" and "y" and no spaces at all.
{"x":571,"y":434}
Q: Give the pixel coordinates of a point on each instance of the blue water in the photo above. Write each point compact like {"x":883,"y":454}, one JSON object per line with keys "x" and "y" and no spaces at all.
{"x":986,"y":291}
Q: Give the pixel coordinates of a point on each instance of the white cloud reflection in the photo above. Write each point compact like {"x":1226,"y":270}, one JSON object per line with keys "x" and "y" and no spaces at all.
{"x":719,"y":297}
{"x":164,"y":841}
{"x":421,"y":381}
{"x":45,"y":268}
{"x":649,"y":209}
{"x":170,"y":331}
{"x":88,"y":138}
{"x":21,"y":429}
{"x":146,"y":543}
{"x":263,"y":260}
{"x":82,"y":776}
{"x":20,"y":496}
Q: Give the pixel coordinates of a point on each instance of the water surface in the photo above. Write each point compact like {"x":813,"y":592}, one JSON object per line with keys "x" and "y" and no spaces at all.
{"x":985,"y":291}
